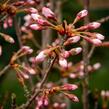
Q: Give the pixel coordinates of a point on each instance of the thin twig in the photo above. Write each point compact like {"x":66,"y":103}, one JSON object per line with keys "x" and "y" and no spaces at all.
{"x":37,"y":91}
{"x":86,"y":62}
{"x":4,"y":69}
{"x":91,"y":52}
{"x":104,"y":19}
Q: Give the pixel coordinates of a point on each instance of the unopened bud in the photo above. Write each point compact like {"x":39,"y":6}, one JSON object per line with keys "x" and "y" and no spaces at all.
{"x":96,"y":41}
{"x":96,"y":66}
{"x":41,"y":57}
{"x":69,"y":87}
{"x":100,"y":36}
{"x":48,"y":13}
{"x":82,"y":14}
{"x":94,"y":25}
{"x":63,"y":63}
{"x":36,"y":27}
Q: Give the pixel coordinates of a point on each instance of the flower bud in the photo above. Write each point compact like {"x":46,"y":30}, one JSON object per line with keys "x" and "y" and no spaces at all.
{"x":27,"y":49}
{"x":33,"y":10}
{"x":72,"y":97}
{"x":66,"y":87}
{"x":82,"y":14}
{"x":63,"y":63}
{"x":35,"y":16}
{"x":73,"y":39}
{"x":36,"y":27}
{"x":48,"y":13}
{"x":41,"y":57}
{"x":96,"y":41}
{"x":96,"y":66}
{"x":99,"y":36}
{"x":75,"y":51}
{"x":93,"y":25}
{"x":72,"y":75}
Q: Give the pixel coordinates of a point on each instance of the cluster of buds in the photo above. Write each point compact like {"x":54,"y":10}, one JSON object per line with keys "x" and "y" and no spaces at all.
{"x":77,"y":70}
{"x":23,"y":71}
{"x":8,"y":23}
{"x":73,"y":34}
{"x":42,"y":100}
{"x":105,"y":99}
{"x":25,"y":50}
{"x":57,"y":105}
{"x":105,"y":94}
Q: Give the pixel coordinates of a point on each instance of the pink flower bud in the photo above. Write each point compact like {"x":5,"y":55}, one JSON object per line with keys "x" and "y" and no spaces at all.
{"x":42,"y":22}
{"x":41,"y":57}
{"x":31,"y":2}
{"x":35,"y":16}
{"x":63,"y":63}
{"x":93,"y":25}
{"x":5,"y":25}
{"x":66,"y":87}
{"x":100,"y":36}
{"x":72,"y":97}
{"x":73,"y":39}
{"x":75,"y":51}
{"x":72,"y":75}
{"x":56,"y":105}
{"x":27,"y":49}
{"x":96,"y":66}
{"x":36,"y":27}
{"x":31,"y":71}
{"x":33,"y":10}
{"x":82,"y":14}
{"x":103,"y":93}
{"x":65,"y":54}
{"x":78,"y":50}
{"x":10,"y":21}
{"x":48,"y":13}
{"x":63,"y":105}
{"x":96,"y":41}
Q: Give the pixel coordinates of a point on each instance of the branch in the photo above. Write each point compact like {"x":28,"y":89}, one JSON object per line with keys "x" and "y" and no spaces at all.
{"x":4,"y":70}
{"x":86,"y":62}
{"x":104,"y":19}
{"x":37,"y":91}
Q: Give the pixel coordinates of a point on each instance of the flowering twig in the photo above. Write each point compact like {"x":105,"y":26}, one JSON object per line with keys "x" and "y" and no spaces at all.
{"x":37,"y":91}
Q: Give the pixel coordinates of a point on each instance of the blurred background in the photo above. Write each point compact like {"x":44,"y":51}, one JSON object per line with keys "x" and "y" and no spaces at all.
{"x":99,"y":80}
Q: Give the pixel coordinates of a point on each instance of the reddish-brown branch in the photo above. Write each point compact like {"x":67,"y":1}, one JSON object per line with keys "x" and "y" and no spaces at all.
{"x":37,"y":91}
